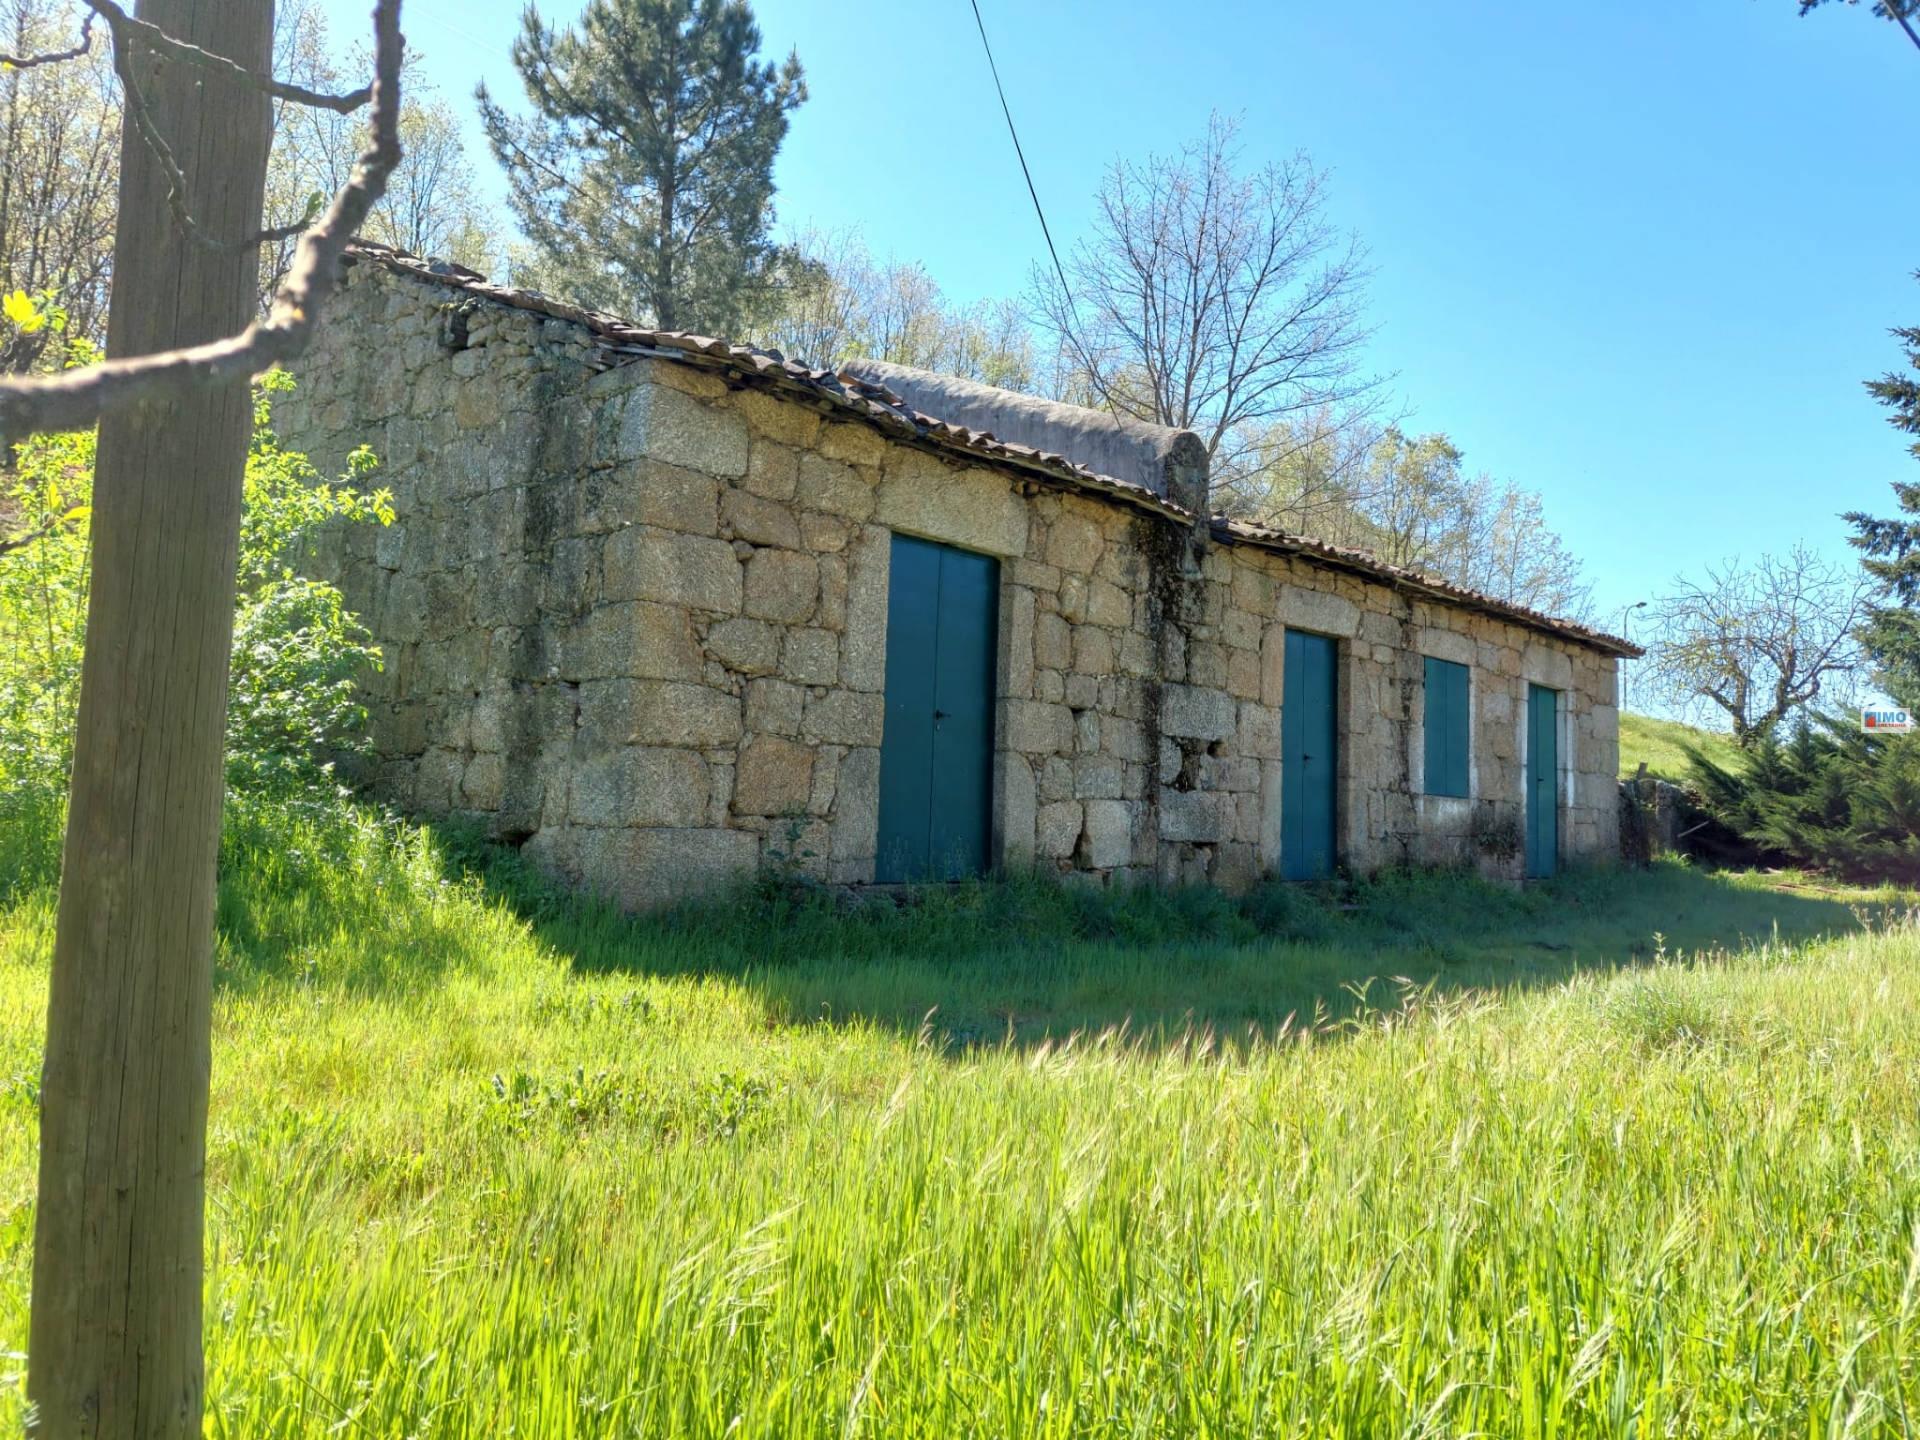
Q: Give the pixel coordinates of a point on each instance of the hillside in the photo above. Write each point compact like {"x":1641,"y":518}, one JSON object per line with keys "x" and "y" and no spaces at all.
{"x":1662,"y":745}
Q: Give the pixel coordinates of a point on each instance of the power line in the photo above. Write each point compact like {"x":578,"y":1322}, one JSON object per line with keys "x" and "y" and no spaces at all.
{"x":1058,"y":269}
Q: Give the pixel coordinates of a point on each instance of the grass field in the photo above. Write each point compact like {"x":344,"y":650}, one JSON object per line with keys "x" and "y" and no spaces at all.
{"x":1662,"y":744}
{"x":1024,"y":1161}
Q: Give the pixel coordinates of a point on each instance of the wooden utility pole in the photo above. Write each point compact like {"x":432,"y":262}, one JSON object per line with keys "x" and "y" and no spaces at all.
{"x":115,"y":1344}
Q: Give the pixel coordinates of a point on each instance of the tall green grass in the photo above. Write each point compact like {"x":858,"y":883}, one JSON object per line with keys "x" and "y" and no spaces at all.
{"x":484,"y":1162}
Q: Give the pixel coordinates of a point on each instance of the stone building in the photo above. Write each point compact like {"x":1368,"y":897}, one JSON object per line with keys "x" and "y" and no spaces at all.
{"x":662,"y":609}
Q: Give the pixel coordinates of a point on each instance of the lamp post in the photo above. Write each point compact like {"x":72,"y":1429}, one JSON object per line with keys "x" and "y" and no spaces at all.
{"x":1626,"y":616}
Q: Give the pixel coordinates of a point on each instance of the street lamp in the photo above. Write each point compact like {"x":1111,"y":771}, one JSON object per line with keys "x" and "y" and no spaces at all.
{"x":1626,"y":615}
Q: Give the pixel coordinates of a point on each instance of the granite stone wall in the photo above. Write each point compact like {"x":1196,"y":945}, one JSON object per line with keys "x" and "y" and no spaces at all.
{"x":635,"y":619}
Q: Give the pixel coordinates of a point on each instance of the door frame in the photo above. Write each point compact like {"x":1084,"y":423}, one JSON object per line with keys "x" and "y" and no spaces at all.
{"x":1337,"y":780}
{"x":1557,"y":781}
{"x":995,"y":678}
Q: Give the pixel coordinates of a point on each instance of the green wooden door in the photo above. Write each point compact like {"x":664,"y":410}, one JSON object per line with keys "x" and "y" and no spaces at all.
{"x":1308,"y":758}
{"x":1543,"y":780}
{"x":936,"y":751}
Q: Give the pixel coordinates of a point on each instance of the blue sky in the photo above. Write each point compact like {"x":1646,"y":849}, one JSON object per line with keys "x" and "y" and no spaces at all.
{"x":1636,"y":256}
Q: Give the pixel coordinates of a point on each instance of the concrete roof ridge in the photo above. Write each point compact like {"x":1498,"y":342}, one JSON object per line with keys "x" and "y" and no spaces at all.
{"x":1167,"y":460}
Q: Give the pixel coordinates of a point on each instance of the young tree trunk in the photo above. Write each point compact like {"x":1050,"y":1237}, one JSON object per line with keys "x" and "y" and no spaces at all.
{"x":115,"y":1342}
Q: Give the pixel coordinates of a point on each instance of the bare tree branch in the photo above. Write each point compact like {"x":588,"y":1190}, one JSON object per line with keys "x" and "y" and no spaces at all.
{"x":1760,"y":641}
{"x":161,"y":43}
{"x":1212,"y":298}
{"x":76,"y":398}
{"x":52,"y":57}
{"x":140,"y":111}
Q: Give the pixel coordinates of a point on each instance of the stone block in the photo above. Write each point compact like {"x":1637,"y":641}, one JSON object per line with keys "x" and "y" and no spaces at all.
{"x":1097,"y":777}
{"x":483,"y":782}
{"x":773,"y":471}
{"x":781,"y":585}
{"x":1124,"y":738}
{"x":824,"y":533}
{"x":758,"y":520}
{"x":832,"y":611}
{"x":1243,"y":674}
{"x":1073,"y":598}
{"x":1544,"y":663}
{"x":856,"y":807}
{"x":1194,"y":816}
{"x":1207,"y":664}
{"x":811,"y":657}
{"x":1135,"y":654}
{"x":853,"y":443}
{"x":775,"y":777}
{"x":644,"y":564}
{"x":1192,"y":713}
{"x":1055,"y":778}
{"x":1446,"y":645}
{"x":1242,"y":629}
{"x":974,"y":509}
{"x":1092,"y":650}
{"x":843,"y":717}
{"x":776,"y":417}
{"x":1259,"y":731}
{"x":1017,"y":801}
{"x":638,"y":785}
{"x":751,"y":647}
{"x":774,"y":707}
{"x":1321,"y":611}
{"x":1235,"y":868}
{"x":646,"y":869}
{"x":1016,"y":641}
{"x":403,"y":611}
{"x":676,"y":499}
{"x":1057,"y":829}
{"x":634,"y":639}
{"x":1108,"y":836}
{"x":1074,"y":543}
{"x":1086,"y":731}
{"x":662,"y":422}
{"x":487,"y":720}
{"x":1036,"y":727}
{"x":863,"y":660}
{"x":835,"y":489}
{"x":657,"y":712}
{"x":1052,"y":642}
{"x":1109,"y":605}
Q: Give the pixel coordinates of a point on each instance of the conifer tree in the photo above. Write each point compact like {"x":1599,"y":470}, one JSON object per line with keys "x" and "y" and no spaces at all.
{"x":644,"y":176}
{"x":1890,"y":548}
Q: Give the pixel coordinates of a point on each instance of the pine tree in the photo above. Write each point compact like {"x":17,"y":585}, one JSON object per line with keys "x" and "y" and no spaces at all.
{"x":1890,"y":548}
{"x":1830,"y":797}
{"x":644,"y":176}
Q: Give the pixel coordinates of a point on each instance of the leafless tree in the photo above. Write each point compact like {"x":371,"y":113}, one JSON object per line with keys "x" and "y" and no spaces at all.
{"x":1512,"y":554}
{"x":119,"y":1221}
{"x":432,"y":204}
{"x":1758,"y":641}
{"x":831,"y":301}
{"x":59,"y":167}
{"x":1212,"y":299}
{"x":1408,"y":500}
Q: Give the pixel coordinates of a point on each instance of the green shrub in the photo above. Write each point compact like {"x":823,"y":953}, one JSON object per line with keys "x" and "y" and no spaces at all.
{"x":1831,"y":797}
{"x":297,"y":650}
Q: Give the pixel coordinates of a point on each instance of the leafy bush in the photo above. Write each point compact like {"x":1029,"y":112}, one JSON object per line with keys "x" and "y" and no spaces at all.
{"x":1831,"y":797}
{"x":297,"y":650}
